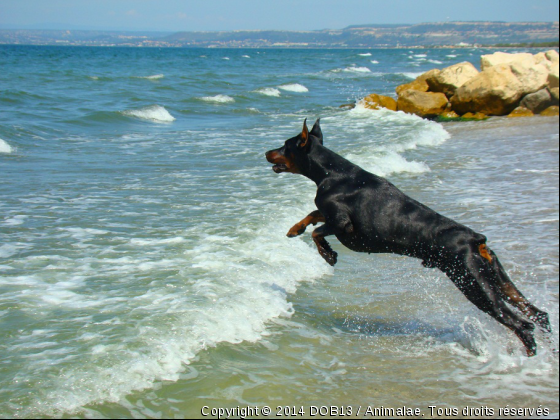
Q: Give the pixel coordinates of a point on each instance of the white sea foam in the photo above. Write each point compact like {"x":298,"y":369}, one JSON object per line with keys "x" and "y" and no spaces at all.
{"x":435,"y":61}
{"x":15,"y":220}
{"x":231,"y":286}
{"x":365,"y":55}
{"x":246,"y":56}
{"x":354,"y":69}
{"x":219,"y":99}
{"x":155,"y":113}
{"x":5,"y":147}
{"x":153,"y":77}
{"x":385,"y":164}
{"x":269,"y":92}
{"x":7,"y":250}
{"x":155,"y":242}
{"x":402,"y":132}
{"x":294,"y":87}
{"x":374,"y":62}
{"x":411,"y":75}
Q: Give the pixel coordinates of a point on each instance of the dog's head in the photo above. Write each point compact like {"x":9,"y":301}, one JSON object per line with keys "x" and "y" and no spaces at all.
{"x":292,"y":156}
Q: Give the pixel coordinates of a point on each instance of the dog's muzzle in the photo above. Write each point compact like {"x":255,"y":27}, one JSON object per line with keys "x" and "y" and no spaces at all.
{"x":278,"y":160}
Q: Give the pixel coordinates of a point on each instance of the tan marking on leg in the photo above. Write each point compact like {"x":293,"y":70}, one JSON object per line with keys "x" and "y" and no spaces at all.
{"x":483,"y":251}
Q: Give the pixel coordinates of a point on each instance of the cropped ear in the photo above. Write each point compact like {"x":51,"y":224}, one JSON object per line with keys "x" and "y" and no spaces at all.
{"x":316,"y":131}
{"x":304,"y":136}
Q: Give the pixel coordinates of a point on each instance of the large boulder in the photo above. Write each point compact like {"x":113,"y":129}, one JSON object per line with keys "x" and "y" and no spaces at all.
{"x":420,"y":83}
{"x":550,"y":60}
{"x":423,"y":104}
{"x":498,"y":58}
{"x":532,"y":77}
{"x":534,"y":71}
{"x":375,"y":101}
{"x":538,"y":101}
{"x":421,"y":86}
{"x":452,"y":78}
{"x":553,"y":79}
{"x":495,"y":91}
{"x":555,"y":95}
{"x":505,"y":79}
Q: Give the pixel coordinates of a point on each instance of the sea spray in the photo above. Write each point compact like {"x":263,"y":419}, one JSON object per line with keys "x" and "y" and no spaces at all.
{"x":155,"y":113}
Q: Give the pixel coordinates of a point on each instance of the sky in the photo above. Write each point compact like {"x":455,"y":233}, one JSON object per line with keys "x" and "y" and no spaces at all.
{"x":227,"y":15}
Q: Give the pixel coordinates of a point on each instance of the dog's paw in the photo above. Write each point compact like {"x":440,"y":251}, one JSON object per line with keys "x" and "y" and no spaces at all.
{"x":331,"y":258}
{"x":296,"y":230}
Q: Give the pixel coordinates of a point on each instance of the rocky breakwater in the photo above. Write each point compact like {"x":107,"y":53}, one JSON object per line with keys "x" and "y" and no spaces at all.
{"x":508,"y":84}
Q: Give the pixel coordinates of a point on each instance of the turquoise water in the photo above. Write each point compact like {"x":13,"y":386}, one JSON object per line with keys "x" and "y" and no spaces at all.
{"x":144,"y":267}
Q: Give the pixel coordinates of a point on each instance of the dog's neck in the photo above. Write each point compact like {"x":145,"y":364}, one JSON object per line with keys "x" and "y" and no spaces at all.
{"x":322,"y":163}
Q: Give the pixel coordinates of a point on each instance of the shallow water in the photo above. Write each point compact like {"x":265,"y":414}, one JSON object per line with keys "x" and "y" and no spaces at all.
{"x":144,"y":268}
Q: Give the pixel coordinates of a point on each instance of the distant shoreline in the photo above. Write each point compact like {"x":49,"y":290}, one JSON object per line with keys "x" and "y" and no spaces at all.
{"x":425,"y":35}
{"x":555,"y":45}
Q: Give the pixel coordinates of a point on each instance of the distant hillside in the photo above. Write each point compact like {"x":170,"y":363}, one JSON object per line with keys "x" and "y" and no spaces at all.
{"x":370,"y":36}
{"x":359,"y":36}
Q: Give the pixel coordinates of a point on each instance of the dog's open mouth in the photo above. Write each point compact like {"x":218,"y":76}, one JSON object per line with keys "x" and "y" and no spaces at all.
{"x":279,"y":168}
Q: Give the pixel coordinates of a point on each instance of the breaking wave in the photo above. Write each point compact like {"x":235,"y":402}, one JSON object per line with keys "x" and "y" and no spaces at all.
{"x":269,"y":92}
{"x":219,"y":99}
{"x":5,"y":147}
{"x":154,"y":113}
{"x":294,"y":87}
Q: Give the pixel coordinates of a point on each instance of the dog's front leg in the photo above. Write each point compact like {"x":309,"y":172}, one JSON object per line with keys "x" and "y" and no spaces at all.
{"x":323,"y":246}
{"x":312,"y":219}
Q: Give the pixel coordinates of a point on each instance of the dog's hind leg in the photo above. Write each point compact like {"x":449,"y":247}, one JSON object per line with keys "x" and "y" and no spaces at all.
{"x":513,"y":296}
{"x":312,"y":219}
{"x":475,"y":279}
{"x":323,"y":246}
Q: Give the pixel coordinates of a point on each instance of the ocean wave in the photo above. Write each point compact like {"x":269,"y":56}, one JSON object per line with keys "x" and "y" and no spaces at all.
{"x":153,"y":77}
{"x":232,"y":285}
{"x":294,"y":87}
{"x":101,"y":78}
{"x":374,"y":62}
{"x":269,"y":92}
{"x":385,"y":164}
{"x":154,"y":113}
{"x":219,"y":99}
{"x":412,"y":75}
{"x":354,"y":69}
{"x":5,"y":147}
{"x":365,"y":55}
{"x":383,"y":136}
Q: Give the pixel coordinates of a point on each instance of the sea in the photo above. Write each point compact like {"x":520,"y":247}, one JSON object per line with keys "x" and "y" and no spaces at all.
{"x":145,"y":270}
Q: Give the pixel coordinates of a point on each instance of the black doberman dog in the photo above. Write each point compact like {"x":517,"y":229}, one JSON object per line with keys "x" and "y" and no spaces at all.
{"x":369,"y":214}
